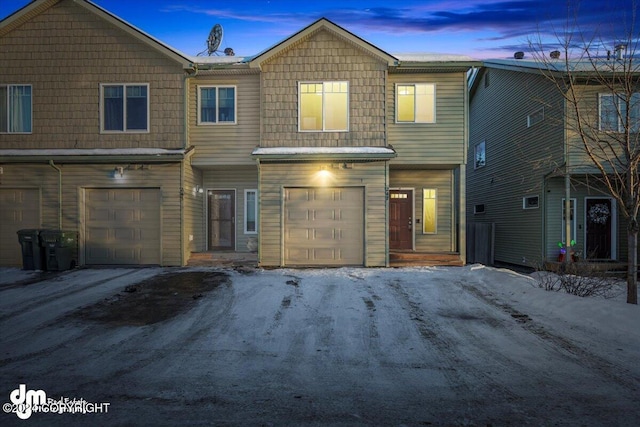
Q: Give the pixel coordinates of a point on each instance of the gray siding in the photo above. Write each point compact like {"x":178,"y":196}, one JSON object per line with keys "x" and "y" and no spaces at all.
{"x":442,"y":142}
{"x":517,"y":159}
{"x":65,"y":53}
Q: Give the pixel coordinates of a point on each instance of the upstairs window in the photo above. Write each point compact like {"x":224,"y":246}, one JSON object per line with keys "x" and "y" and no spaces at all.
{"x":613,"y":110}
{"x":324,"y":107}
{"x":535,"y":117}
{"x":416,"y":103}
{"x":15,"y":108}
{"x":216,"y":105}
{"x":480,"y":155}
{"x":125,"y":107}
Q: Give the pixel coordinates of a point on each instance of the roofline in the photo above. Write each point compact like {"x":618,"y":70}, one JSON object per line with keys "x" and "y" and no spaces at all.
{"x":90,"y":157}
{"x":257,"y":60}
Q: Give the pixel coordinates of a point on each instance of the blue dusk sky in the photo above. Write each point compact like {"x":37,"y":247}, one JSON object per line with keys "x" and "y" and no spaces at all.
{"x":479,"y":28}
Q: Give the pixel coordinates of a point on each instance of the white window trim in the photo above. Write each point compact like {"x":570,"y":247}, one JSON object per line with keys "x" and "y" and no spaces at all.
{"x":249,"y":190}
{"x":217,"y":123}
{"x":529,"y":117}
{"x":323,"y":130}
{"x":524,"y":202}
{"x":435,"y":97}
{"x":8,"y":85}
{"x":475,"y":155}
{"x":124,"y":85}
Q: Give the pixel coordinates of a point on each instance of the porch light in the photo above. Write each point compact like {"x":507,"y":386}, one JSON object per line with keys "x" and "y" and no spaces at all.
{"x":118,"y":172}
{"x":199,"y":190}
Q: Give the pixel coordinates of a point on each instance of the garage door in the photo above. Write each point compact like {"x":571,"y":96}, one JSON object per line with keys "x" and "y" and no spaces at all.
{"x":324,"y":226}
{"x":19,"y":209}
{"x":122,"y":226}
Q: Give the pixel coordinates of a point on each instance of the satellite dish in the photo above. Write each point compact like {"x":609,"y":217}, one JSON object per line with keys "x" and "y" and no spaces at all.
{"x":213,"y":41}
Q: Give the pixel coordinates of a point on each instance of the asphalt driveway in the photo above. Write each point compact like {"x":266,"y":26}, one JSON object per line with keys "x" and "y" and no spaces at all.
{"x":199,"y":346}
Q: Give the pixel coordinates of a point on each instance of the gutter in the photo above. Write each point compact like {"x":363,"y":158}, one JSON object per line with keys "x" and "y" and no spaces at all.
{"x":59,"y":193}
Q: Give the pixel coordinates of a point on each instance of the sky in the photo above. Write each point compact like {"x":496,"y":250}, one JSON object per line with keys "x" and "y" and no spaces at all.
{"x":481,"y":29}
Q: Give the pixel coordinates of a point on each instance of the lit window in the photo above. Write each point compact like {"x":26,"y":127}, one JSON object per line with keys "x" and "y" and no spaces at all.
{"x":324,"y":106}
{"x":429,"y":211}
{"x":250,"y":211}
{"x":216,"y":105}
{"x":480,"y":155}
{"x":125,"y":107}
{"x":416,"y":103}
{"x":535,"y":117}
{"x":15,"y":109}
{"x":531,"y":202}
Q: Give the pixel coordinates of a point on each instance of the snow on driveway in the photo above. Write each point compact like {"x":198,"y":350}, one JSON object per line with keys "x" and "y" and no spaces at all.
{"x":349,"y":346}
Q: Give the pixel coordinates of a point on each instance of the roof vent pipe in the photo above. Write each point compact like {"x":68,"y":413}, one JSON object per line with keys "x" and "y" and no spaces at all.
{"x":620,"y":50}
{"x":518,"y":55}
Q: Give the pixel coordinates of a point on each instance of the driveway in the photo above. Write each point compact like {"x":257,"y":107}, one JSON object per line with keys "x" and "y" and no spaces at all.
{"x":349,"y":346}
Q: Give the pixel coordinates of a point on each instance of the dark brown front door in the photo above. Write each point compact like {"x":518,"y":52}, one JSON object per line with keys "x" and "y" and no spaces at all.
{"x":400,"y":219}
{"x":221,"y":219}
{"x":598,"y":244}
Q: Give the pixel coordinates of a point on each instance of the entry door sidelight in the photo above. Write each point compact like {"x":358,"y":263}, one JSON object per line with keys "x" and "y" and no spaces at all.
{"x":222,"y":222}
{"x":401,"y":219}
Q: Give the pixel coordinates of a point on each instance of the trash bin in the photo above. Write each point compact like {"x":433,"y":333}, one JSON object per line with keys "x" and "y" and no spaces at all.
{"x":32,"y":255}
{"x":60,"y":248}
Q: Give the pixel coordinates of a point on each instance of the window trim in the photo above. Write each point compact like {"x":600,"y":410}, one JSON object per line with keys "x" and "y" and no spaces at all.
{"x":530,"y":116}
{"x":526,"y":206}
{"x":475,"y":155}
{"x":619,"y":112}
{"x":323,"y":82}
{"x":435,"y":221}
{"x":124,"y":123}
{"x":246,"y":191}
{"x":217,"y":122}
{"x":414,"y":84}
{"x":8,"y":109}
{"x":477,"y":211}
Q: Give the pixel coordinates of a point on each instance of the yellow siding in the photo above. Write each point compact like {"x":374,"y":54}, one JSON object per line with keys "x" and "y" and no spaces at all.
{"x":194,"y":232}
{"x":276,"y":176}
{"x":65,"y":53}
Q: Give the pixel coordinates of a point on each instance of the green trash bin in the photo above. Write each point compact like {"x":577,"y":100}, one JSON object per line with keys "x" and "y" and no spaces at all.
{"x":60,"y":248}
{"x":32,"y":253}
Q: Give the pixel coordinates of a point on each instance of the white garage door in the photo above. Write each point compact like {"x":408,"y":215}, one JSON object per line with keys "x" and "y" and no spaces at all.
{"x":122,"y":226}
{"x":19,"y":209}
{"x":324,"y":226}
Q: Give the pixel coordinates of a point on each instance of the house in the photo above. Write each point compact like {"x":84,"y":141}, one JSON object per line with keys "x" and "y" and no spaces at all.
{"x":525,"y":160}
{"x":325,"y":150}
{"x":322,"y":150}
{"x":92,"y":135}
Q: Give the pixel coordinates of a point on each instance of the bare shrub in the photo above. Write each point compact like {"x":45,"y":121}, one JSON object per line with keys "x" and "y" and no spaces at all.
{"x":577,"y":278}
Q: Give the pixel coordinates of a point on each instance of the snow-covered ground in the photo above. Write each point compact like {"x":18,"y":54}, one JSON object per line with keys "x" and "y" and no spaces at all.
{"x":411,"y":346}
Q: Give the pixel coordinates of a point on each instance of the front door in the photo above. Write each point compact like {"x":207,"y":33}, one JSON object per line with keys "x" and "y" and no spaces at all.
{"x":221,"y":204}
{"x":599,"y":225}
{"x":401,"y":219}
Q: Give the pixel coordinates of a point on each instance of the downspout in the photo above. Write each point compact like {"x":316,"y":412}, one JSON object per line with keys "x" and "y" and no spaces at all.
{"x":59,"y":193}
{"x":185,"y":137}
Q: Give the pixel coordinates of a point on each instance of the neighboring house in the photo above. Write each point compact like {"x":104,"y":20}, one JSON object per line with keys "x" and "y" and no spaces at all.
{"x":321,"y":151}
{"x":520,"y":147}
{"x":92,"y":135}
{"x":326,"y":150}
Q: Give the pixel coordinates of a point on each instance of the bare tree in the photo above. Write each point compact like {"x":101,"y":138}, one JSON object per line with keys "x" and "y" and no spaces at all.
{"x":599,"y":78}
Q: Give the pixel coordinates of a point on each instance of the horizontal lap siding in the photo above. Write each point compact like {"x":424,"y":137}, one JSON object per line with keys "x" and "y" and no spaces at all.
{"x":193,"y":211}
{"x":276,"y":176}
{"x":442,"y":181}
{"x":226,"y":144}
{"x":239,"y":179}
{"x":65,"y":53}
{"x":430,"y":143}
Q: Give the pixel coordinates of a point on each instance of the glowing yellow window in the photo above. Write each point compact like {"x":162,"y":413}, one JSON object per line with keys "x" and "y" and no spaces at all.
{"x":416,"y":103}
{"x":324,"y":106}
{"x":429,"y":211}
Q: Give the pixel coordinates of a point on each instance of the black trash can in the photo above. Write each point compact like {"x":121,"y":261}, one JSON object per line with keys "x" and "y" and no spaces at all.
{"x":60,"y":248}
{"x":32,"y":254}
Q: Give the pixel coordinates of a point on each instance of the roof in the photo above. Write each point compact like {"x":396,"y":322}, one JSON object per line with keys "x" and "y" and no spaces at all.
{"x":561,"y":66}
{"x":37,"y":7}
{"x":322,"y":153}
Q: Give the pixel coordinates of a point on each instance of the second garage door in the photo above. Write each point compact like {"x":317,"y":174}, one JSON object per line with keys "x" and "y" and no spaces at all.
{"x":324,"y":226}
{"x":122,"y":226}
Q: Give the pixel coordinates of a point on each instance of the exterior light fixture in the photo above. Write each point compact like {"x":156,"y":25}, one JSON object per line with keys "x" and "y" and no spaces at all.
{"x":199,"y":190}
{"x":119,"y":170}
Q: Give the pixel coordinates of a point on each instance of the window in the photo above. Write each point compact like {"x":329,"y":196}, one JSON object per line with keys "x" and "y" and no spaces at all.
{"x":531,"y":202}
{"x":613,"y":109}
{"x":125,"y":107}
{"x":535,"y":117}
{"x":216,"y":105}
{"x":324,"y":106}
{"x":478,"y":209}
{"x":429,"y":211}
{"x":251,"y":211}
{"x":416,"y":103}
{"x":487,"y":80}
{"x":480,"y":155}
{"x":15,"y":109}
